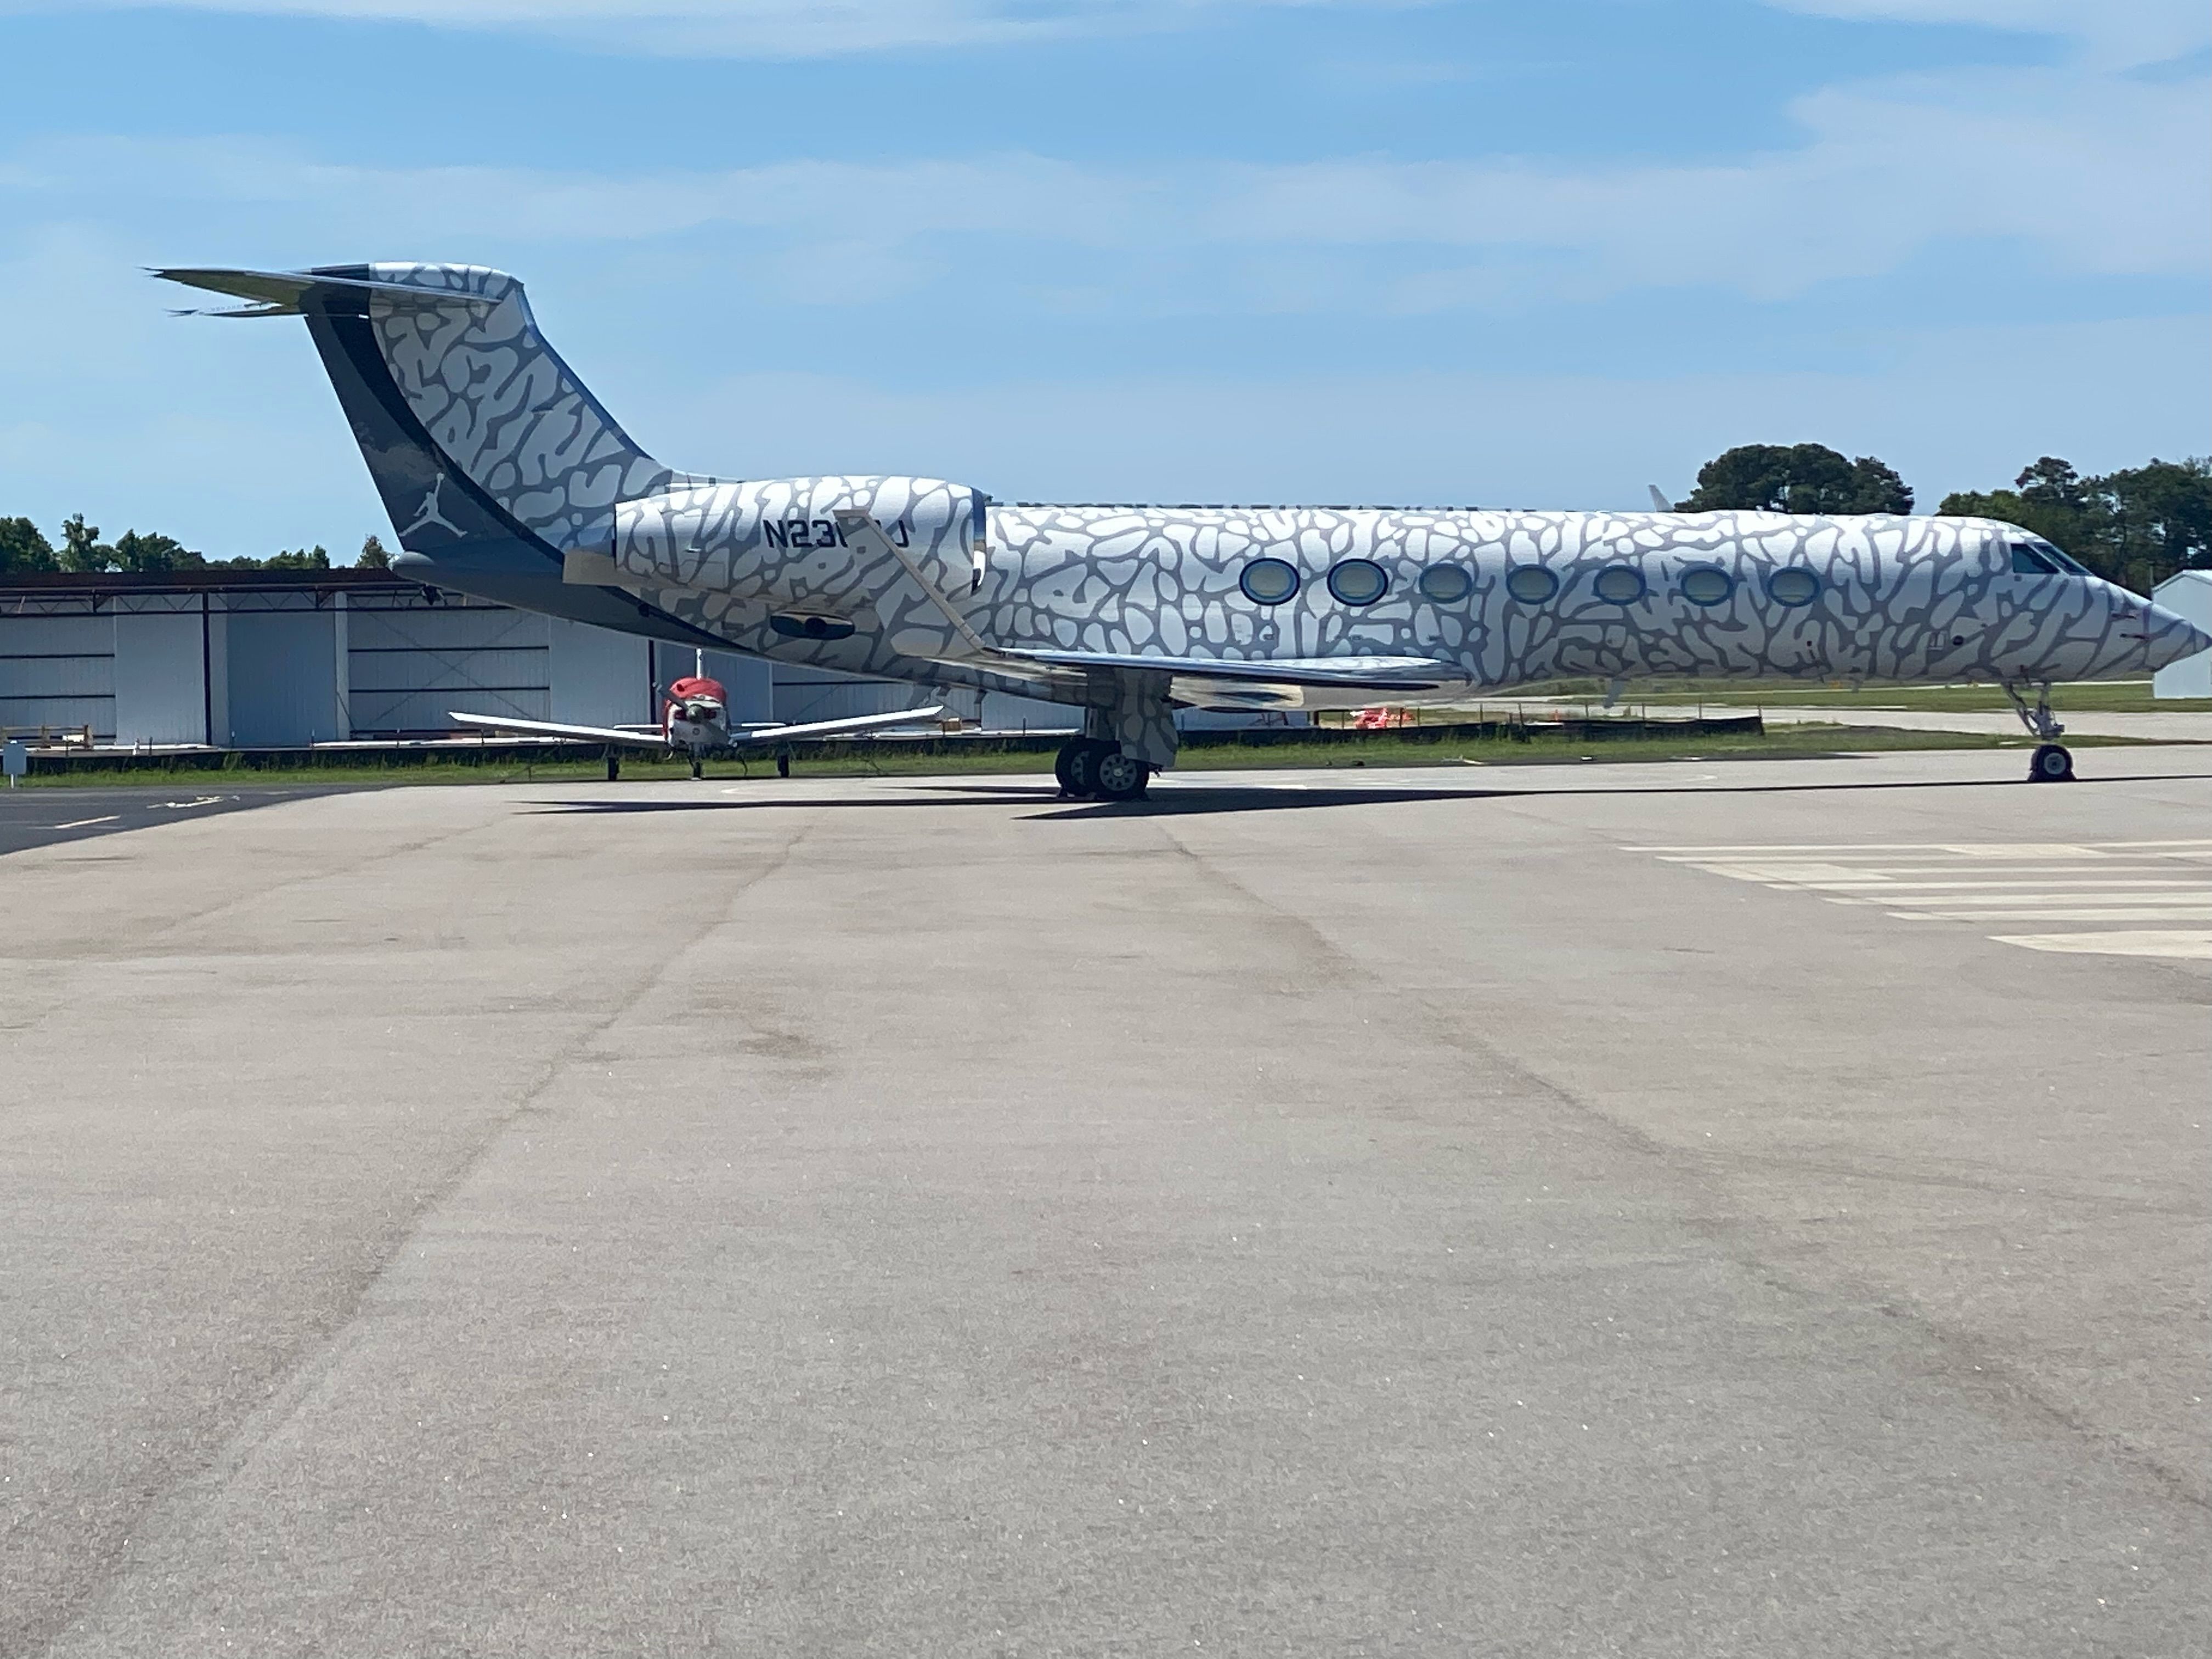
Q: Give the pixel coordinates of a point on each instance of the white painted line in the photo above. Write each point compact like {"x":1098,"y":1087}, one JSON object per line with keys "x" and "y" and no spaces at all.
{"x":2084,"y":883}
{"x":2181,"y":944}
{"x":2191,"y":913}
{"x":2053,"y":892}
{"x":2026,"y":849}
{"x":1950,"y":866}
{"x":1723,"y":851}
{"x":85,"y":823}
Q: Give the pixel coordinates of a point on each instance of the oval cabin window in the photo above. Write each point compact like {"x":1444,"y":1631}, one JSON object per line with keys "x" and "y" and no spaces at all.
{"x":1620,"y":584}
{"x":1707,"y":584}
{"x":1531,"y":584}
{"x":1793,"y":586}
{"x":1269,"y":581}
{"x":1358,"y":581}
{"x":1445,"y":583}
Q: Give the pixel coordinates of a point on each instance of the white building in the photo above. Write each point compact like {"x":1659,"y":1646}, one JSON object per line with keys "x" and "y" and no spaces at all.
{"x":2188,"y":594}
{"x":252,"y":660}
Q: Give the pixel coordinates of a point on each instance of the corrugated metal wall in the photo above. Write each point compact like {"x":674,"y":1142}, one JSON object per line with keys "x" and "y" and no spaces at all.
{"x":280,"y":667}
{"x":407,"y":667}
{"x":57,"y":670}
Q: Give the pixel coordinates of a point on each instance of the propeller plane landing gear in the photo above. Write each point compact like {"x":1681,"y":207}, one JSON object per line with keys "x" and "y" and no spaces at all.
{"x":2052,"y":762}
{"x":1092,"y":769}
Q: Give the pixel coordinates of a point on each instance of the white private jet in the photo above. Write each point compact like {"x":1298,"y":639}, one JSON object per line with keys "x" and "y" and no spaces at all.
{"x":506,"y":479}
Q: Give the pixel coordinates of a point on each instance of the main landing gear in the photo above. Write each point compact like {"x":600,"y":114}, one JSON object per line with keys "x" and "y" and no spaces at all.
{"x":614,"y":766}
{"x":1093,"y":768}
{"x":2052,"y":762}
{"x":698,"y":766}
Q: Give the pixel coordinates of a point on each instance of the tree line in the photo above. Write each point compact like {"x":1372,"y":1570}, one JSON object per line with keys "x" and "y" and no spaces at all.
{"x":24,"y":546}
{"x":2135,"y":526}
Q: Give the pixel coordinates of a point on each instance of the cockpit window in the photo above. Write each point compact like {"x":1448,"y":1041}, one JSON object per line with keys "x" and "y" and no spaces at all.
{"x":2032,"y":555}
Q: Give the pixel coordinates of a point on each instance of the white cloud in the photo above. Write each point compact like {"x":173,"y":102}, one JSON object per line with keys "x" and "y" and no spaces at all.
{"x":2095,"y":173}
{"x":2115,"y":32}
{"x":748,"y":28}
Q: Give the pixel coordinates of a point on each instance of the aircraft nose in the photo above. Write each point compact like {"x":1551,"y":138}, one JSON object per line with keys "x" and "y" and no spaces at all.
{"x":2169,"y":638}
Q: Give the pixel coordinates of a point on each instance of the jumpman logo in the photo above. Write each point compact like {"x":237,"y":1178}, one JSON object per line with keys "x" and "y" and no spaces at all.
{"x":430,"y":514}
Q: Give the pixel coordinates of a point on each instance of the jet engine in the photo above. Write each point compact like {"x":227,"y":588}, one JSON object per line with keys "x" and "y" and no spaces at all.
{"x":795,"y":545}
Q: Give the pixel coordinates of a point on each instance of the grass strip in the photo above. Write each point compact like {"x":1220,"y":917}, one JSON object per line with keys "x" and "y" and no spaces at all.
{"x":891,"y":759}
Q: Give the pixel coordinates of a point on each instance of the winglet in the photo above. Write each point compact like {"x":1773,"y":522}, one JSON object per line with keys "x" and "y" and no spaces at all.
{"x":1659,"y":504}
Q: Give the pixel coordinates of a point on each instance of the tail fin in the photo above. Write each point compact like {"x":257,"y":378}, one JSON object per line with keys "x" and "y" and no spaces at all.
{"x":483,"y":444}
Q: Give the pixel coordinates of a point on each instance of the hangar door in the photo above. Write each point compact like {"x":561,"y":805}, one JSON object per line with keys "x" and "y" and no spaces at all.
{"x":409,"y":664}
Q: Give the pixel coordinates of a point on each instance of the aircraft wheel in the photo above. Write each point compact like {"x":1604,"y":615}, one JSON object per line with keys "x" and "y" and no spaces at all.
{"x":614,"y":768}
{"x":2052,"y":762}
{"x":783,"y":766}
{"x":1118,"y":777}
{"x":1062,"y":761}
{"x":1078,"y":768}
{"x":698,"y":766}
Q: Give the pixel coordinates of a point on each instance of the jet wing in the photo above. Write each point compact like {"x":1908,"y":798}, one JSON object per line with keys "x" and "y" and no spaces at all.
{"x":650,"y":738}
{"x":1334,"y":673}
{"x":833,"y":728}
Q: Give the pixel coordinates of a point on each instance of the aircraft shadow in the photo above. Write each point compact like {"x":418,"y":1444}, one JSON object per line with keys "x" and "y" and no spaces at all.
{"x":1182,"y":800}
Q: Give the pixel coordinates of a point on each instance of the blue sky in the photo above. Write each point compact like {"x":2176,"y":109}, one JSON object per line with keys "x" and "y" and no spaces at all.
{"x":1513,"y":254}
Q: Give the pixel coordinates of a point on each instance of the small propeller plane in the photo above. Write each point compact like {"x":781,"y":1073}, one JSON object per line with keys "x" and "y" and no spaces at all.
{"x":695,"y":719}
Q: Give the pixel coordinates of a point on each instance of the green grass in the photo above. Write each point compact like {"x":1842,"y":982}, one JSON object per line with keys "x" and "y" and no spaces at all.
{"x":887,"y":760}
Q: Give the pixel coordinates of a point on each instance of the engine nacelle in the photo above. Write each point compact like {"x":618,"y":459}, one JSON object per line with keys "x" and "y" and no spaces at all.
{"x":779,"y":541}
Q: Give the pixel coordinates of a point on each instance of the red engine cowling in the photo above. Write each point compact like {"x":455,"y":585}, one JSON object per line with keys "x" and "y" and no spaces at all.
{"x":698,"y":687}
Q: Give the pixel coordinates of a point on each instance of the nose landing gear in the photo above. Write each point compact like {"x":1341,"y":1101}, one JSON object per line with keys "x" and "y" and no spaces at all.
{"x":2052,"y":762}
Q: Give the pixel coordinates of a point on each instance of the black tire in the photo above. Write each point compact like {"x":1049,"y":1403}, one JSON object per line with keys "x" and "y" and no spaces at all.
{"x":783,"y":766}
{"x":614,"y":769}
{"x":1117,"y":776}
{"x":2052,"y":762}
{"x":1083,"y":769}
{"x":1060,"y":763}
{"x":698,"y":766}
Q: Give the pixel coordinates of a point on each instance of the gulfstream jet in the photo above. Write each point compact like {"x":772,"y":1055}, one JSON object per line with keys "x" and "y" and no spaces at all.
{"x":506,"y":479}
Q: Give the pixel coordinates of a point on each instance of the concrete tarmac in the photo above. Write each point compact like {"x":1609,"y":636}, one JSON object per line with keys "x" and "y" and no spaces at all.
{"x":2158,"y":725}
{"x":41,"y":815}
{"x":1544,"y":1211}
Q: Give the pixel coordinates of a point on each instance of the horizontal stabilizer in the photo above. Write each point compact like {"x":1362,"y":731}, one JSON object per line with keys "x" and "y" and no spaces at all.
{"x":647,"y":738}
{"x":284,"y":292}
{"x":1337,"y":673}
